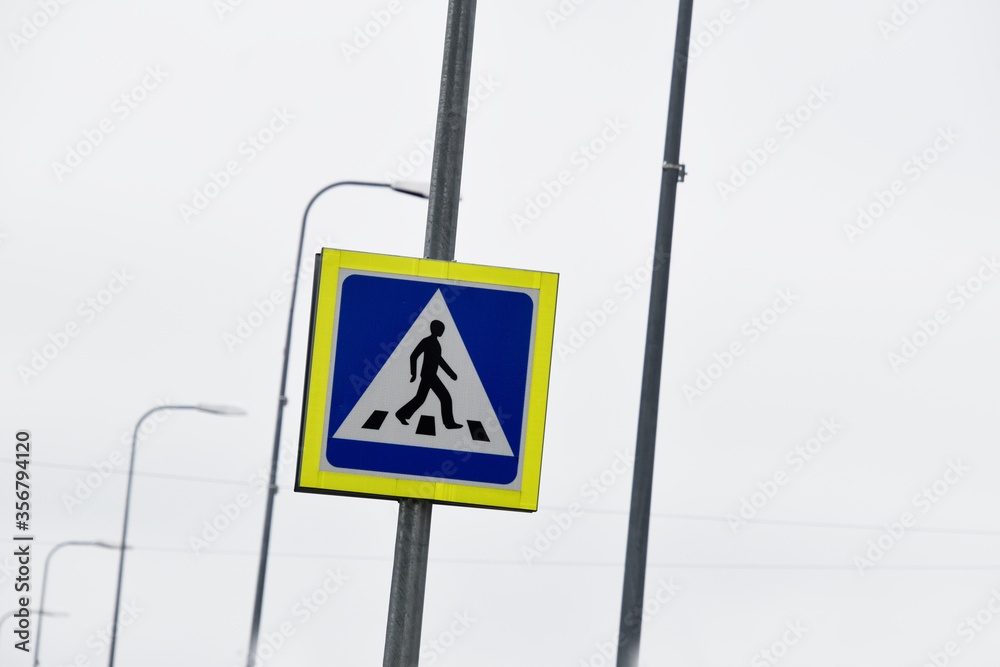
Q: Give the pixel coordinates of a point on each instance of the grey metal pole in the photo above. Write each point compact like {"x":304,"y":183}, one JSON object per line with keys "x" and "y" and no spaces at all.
{"x":219,"y":410}
{"x":413,"y":527}
{"x":272,"y":487}
{"x":45,"y":580}
{"x":449,"y":137}
{"x":630,"y":625}
{"x":409,"y":577}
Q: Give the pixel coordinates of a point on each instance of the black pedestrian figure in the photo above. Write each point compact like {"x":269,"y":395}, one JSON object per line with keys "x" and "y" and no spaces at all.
{"x":430,"y":347}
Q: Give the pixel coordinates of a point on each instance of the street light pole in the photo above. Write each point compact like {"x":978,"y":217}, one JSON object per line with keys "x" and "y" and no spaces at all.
{"x":630,"y":619}
{"x":415,"y":189}
{"x":201,"y":407}
{"x":45,"y":579}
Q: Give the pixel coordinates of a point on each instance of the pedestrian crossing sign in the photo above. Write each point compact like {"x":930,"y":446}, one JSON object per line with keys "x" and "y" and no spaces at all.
{"x":426,"y":379}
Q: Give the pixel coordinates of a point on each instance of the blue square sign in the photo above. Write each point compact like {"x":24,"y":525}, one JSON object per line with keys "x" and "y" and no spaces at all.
{"x":430,"y":376}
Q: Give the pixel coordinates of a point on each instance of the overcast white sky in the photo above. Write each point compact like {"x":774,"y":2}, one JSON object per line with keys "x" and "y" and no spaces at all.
{"x":797,"y":115}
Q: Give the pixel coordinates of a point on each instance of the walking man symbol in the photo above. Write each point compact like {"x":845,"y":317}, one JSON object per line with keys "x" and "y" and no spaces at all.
{"x":430,"y":347}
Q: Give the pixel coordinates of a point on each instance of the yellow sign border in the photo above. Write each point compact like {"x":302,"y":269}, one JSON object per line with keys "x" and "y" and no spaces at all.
{"x":309,"y":478}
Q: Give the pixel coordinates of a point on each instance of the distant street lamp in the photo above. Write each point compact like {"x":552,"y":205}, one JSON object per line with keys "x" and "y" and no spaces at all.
{"x":45,"y":579}
{"x":414,"y":188}
{"x":201,"y":407}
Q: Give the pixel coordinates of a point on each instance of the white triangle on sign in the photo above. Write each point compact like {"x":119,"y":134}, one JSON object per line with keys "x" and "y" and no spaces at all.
{"x":392,"y":389}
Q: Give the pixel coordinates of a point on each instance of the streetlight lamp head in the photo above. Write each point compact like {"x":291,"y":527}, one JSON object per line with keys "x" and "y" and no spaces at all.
{"x":221,"y":409}
{"x":420,"y":189}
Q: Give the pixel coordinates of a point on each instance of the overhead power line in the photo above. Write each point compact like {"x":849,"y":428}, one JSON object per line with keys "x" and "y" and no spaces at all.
{"x":782,"y":522}
{"x":570,"y":563}
{"x":557,"y":508}
{"x":162,"y":475}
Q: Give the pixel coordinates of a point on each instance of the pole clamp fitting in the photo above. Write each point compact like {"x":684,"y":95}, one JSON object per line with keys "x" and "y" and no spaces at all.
{"x":681,"y":172}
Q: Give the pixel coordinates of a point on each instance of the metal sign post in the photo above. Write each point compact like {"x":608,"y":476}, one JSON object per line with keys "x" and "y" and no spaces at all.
{"x":481,"y":337}
{"x":413,"y":528}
